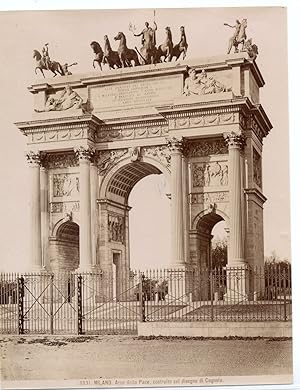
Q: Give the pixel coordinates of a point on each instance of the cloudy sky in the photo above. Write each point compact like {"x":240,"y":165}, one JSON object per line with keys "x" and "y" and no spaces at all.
{"x":69,"y":34}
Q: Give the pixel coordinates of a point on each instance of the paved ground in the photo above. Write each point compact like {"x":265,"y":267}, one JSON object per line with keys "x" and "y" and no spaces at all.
{"x":127,"y":357}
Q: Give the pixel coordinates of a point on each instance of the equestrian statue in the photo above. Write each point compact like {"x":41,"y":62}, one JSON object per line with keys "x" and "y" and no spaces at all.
{"x":43,"y":62}
{"x":239,"y":37}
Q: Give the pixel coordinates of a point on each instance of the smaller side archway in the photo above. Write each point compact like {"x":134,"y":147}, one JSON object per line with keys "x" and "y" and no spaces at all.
{"x":201,"y":237}
{"x":64,"y":247}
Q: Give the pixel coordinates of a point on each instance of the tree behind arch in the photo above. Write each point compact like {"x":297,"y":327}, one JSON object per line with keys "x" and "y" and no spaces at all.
{"x":219,"y":254}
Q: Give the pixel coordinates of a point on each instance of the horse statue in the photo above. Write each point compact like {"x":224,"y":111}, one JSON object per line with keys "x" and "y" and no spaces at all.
{"x":97,"y":49}
{"x":165,"y":49}
{"x":54,"y":66}
{"x":126,"y":55}
{"x":111,"y":57}
{"x":181,"y":47}
{"x":239,"y":36}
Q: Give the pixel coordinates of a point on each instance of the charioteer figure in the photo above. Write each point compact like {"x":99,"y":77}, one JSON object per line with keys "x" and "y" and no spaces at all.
{"x":147,"y":34}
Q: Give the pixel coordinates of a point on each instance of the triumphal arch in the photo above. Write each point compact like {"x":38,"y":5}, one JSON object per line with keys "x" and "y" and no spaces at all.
{"x":93,"y":136}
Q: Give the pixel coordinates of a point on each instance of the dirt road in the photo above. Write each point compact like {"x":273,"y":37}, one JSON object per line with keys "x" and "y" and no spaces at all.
{"x":61,"y":358}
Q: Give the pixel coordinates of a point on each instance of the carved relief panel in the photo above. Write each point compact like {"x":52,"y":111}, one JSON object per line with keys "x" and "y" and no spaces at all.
{"x":210,"y":174}
{"x":116,"y":228}
{"x":257,"y":168}
{"x":65,"y":185}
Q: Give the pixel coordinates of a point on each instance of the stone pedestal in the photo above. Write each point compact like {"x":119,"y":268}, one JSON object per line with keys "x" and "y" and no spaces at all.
{"x":177,"y":286}
{"x":236,"y":285}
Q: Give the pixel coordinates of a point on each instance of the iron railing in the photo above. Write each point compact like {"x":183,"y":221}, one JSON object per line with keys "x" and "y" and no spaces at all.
{"x":97,"y":302}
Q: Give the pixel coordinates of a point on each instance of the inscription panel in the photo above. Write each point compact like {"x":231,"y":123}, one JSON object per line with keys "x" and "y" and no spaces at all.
{"x":135,"y":93}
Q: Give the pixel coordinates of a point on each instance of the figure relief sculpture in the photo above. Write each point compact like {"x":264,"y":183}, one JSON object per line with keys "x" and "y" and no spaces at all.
{"x":148,"y":41}
{"x":210,"y":174}
{"x":257,"y":168}
{"x":111,"y":57}
{"x":43,"y":62}
{"x":181,"y":47}
{"x":135,"y":153}
{"x":116,"y":228}
{"x":127,"y":56}
{"x":68,"y":99}
{"x":65,"y":185}
{"x":99,"y":54}
{"x":202,"y":84}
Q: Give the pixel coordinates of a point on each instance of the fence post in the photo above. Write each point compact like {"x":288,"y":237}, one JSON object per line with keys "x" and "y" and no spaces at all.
{"x":79,"y":305}
{"x":51,"y":303}
{"x":211,"y":296}
{"x":141,"y":298}
{"x":284,"y":295}
{"x":20,"y":287}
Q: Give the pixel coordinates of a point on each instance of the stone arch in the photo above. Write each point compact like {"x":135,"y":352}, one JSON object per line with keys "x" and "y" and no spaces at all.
{"x":216,"y":216}
{"x":114,"y":192}
{"x":201,"y":236}
{"x":64,"y":246}
{"x":127,"y":173}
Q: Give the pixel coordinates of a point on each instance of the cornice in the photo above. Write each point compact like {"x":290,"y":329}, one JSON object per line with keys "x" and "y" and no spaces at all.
{"x":256,"y":193}
{"x":61,"y":122}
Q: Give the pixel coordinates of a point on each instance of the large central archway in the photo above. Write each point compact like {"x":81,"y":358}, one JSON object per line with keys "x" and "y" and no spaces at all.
{"x":113,"y":254}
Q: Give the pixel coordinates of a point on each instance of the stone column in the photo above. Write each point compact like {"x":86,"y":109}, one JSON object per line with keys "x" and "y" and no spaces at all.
{"x":177,"y":221}
{"x":235,"y":142}
{"x":34,"y":162}
{"x":85,"y":156}
{"x":94,"y":212}
{"x":185,"y":189}
{"x":177,"y":285}
{"x":44,"y":214}
{"x":236,"y":266}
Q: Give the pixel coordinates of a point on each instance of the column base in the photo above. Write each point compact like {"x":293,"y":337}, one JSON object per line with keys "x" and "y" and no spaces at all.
{"x":177,"y":285}
{"x":236,"y":283}
{"x":37,"y":269}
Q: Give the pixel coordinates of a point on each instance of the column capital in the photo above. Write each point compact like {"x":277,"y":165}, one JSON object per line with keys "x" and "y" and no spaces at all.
{"x":33,"y":158}
{"x":234,"y":140}
{"x":84,"y":153}
{"x":175,"y":144}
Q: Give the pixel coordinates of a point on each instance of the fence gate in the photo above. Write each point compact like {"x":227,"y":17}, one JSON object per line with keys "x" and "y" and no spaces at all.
{"x":48,"y":305}
{"x":109,"y":305}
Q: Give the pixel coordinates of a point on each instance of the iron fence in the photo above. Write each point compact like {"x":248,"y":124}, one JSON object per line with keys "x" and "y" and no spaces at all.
{"x":97,"y":303}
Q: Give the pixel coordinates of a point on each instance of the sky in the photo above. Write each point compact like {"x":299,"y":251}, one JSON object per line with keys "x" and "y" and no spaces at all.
{"x":69,"y":34}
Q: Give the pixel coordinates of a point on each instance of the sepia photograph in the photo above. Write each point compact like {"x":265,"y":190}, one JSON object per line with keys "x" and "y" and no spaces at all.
{"x":145,"y":228}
